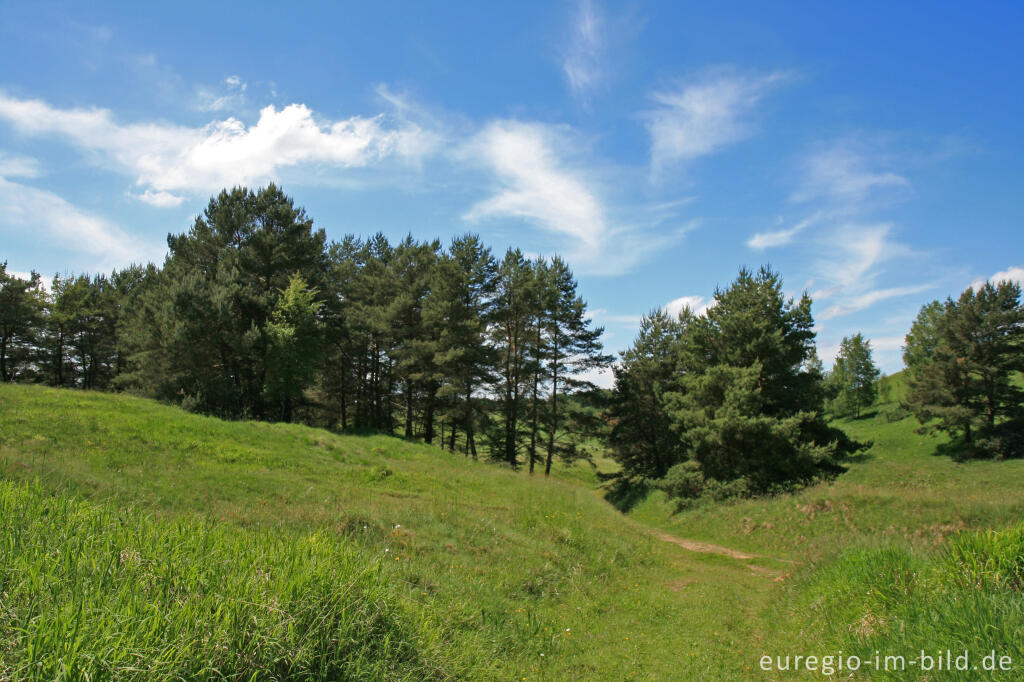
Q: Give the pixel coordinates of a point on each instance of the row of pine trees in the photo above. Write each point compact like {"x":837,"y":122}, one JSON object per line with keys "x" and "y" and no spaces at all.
{"x":254,"y":314}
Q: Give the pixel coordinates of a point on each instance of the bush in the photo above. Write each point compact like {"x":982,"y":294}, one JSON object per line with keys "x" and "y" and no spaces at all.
{"x":684,"y":481}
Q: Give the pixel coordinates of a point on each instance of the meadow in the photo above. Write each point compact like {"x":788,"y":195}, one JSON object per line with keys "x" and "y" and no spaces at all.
{"x":143,"y":542}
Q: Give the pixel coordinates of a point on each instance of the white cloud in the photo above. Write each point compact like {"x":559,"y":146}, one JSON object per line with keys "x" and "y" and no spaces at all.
{"x":582,"y":61}
{"x":536,"y":185}
{"x":862,"y":248}
{"x":28,"y":208}
{"x":1012,"y":274}
{"x":869,"y":298}
{"x":159,"y":199}
{"x":696,"y":304}
{"x":700,"y":118}
{"x":765,"y":240}
{"x":169,"y":160}
{"x":18,"y":166}
{"x":841,"y":173}
{"x":888,"y":343}
{"x":229,"y":95}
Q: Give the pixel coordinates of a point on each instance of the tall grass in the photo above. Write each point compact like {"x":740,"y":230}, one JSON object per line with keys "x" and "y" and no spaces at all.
{"x":965,"y":598}
{"x":92,"y":592}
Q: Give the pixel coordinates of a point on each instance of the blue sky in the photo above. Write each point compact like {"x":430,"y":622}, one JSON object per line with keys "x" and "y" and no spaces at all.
{"x":871,"y":153}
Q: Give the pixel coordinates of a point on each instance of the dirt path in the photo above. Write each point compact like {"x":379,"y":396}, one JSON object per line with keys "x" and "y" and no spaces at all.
{"x":704,"y":547}
{"x":708,"y":548}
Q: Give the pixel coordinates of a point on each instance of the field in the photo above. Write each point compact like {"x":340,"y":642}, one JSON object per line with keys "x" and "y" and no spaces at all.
{"x":144,"y":542}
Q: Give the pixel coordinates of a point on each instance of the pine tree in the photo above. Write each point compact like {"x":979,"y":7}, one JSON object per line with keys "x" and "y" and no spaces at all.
{"x":854,"y":376}
{"x":206,"y":339}
{"x":966,"y":386}
{"x":21,"y":312}
{"x":514,"y":314}
{"x":572,"y":347}
{"x":749,"y":402}
{"x":923,"y":337}
{"x":295,"y":334}
{"x":459,"y":307}
{"x":642,"y":439}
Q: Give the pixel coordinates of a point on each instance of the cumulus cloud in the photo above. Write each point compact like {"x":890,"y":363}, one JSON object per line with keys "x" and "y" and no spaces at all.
{"x":170,"y":160}
{"x":28,"y":208}
{"x":697,"y":119}
{"x":1011,"y":274}
{"x":696,"y":304}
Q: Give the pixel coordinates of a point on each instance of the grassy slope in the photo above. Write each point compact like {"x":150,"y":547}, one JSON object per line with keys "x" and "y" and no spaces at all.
{"x":489,"y":569}
{"x":901,"y":491}
{"x":479,"y":570}
{"x":877,"y":551}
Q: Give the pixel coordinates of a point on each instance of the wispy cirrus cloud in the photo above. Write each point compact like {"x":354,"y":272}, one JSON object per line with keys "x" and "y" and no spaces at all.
{"x":844,"y":184}
{"x":18,"y":166}
{"x":28,"y":208}
{"x":169,"y":161}
{"x":535,"y":181}
{"x":701,"y":117}
{"x":843,"y":181}
{"x":869,"y":298}
{"x":583,"y":59}
{"x":842,"y":172}
{"x":781,"y":237}
{"x":230,"y":94}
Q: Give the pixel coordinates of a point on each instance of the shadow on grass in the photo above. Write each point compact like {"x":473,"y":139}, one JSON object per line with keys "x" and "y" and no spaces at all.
{"x":623,"y":492}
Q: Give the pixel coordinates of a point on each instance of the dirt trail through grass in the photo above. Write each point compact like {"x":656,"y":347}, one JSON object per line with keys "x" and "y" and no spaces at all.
{"x":708,"y":548}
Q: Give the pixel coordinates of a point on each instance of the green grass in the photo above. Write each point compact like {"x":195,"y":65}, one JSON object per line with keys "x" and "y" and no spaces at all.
{"x":482,"y":569}
{"x":872,"y":549}
{"x":140,"y":541}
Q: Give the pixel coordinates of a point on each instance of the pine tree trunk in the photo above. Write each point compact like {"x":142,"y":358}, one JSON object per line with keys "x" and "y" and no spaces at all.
{"x":428,"y":418}
{"x":3,"y":359}
{"x":408,"y":409}
{"x":554,"y":414}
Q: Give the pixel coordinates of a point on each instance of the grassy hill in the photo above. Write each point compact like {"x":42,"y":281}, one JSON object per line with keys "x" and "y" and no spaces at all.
{"x":908,"y":550}
{"x":161,"y":544}
{"x":142,"y":541}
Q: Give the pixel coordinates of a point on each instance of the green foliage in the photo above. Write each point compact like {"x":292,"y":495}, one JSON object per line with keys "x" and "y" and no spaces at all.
{"x":739,"y":388}
{"x":294,"y":333}
{"x":854,"y":377}
{"x":924,"y":335}
{"x":642,"y":437}
{"x":966,"y":386}
{"x":205,"y":329}
{"x":21,"y":308}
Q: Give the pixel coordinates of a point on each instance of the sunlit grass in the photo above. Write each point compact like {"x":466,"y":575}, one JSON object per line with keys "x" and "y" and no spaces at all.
{"x":479,"y":570}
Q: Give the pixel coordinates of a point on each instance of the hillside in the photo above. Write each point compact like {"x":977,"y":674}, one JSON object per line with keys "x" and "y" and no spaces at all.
{"x":138,"y":533}
{"x":477,"y":572}
{"x":909,"y":550}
